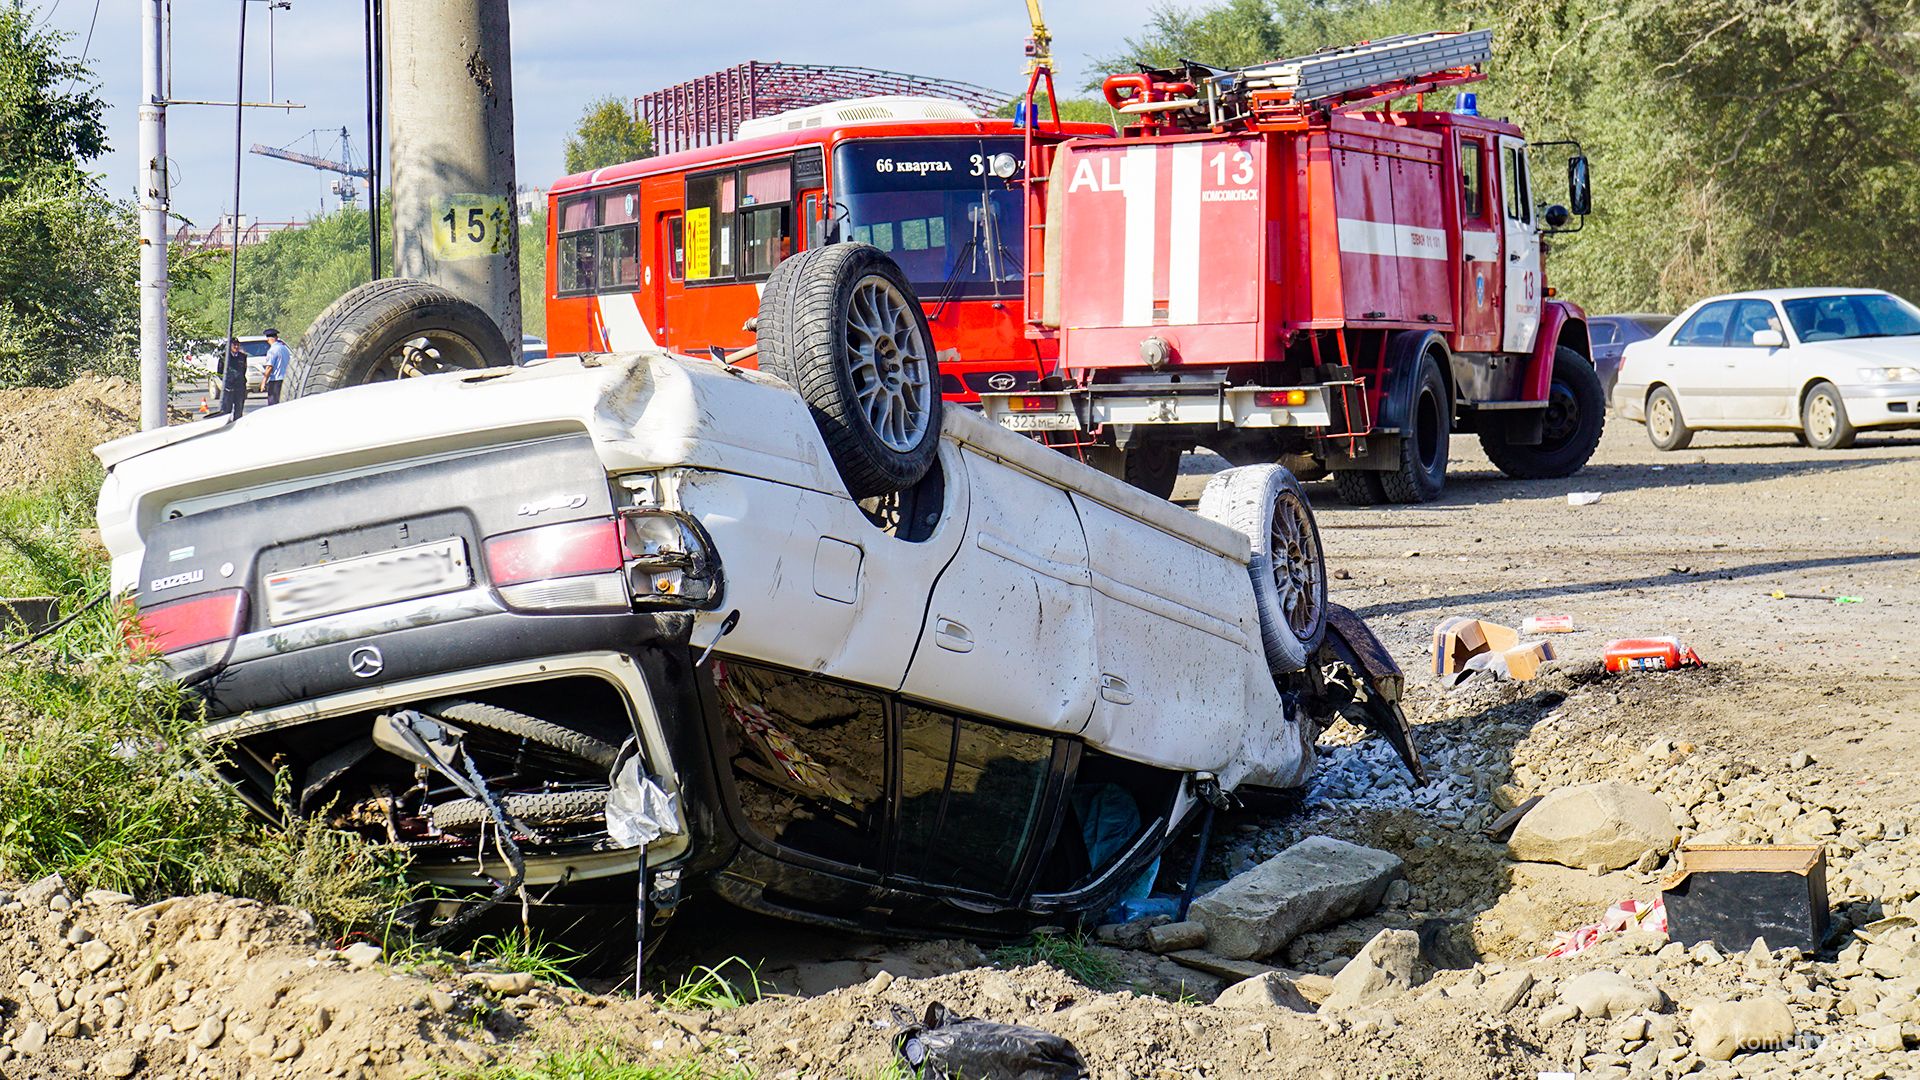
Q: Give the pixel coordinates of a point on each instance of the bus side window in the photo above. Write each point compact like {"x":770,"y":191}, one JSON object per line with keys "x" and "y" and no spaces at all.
{"x":574,"y":266}
{"x":676,"y":249}
{"x":619,"y":257}
{"x":766,"y":217}
{"x":709,"y":225}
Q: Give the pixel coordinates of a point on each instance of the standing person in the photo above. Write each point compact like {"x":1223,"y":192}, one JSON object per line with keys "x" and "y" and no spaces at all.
{"x":233,"y":381}
{"x":278,"y":357}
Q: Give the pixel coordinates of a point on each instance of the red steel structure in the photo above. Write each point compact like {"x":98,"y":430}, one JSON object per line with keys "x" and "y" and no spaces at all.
{"x":709,"y":110}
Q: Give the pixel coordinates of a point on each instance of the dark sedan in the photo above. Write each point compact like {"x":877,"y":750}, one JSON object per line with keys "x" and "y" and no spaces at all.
{"x":1613,"y":333}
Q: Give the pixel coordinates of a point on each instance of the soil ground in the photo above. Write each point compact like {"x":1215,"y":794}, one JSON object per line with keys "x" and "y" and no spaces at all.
{"x":1690,"y":544}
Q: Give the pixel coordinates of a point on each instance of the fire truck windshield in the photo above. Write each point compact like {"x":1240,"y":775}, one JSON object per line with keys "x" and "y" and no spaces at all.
{"x":947,"y":210}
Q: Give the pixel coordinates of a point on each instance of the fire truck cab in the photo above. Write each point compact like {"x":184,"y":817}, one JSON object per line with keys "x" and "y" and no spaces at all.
{"x":1260,"y":267}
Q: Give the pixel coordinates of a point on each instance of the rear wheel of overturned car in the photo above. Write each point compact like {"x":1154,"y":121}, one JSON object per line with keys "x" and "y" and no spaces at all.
{"x":1823,"y":417}
{"x":842,"y":326}
{"x":1576,"y":415}
{"x":1288,"y":568}
{"x":395,"y":328}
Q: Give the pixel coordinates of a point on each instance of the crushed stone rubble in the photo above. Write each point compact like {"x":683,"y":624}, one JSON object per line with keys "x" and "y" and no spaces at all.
{"x":1443,"y":978}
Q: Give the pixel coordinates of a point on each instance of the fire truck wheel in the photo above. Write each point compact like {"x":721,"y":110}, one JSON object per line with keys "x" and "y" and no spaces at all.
{"x":843,"y":327}
{"x":1359,"y":487}
{"x":1288,"y":567}
{"x":1152,"y":467}
{"x":394,"y":328}
{"x":1576,"y":414}
{"x":1666,"y":428}
{"x":1823,"y":417}
{"x":1423,"y":442}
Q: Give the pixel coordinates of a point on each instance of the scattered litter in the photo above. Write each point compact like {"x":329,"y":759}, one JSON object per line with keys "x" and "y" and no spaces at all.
{"x":1582,"y":498}
{"x":948,"y":1047}
{"x":1462,"y":646}
{"x":1811,"y":596}
{"x":1547,"y":624}
{"x":1730,"y":895}
{"x":1625,"y":915}
{"x":1650,"y":654}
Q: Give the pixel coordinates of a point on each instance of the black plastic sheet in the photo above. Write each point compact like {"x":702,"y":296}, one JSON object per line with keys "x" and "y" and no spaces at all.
{"x":949,"y":1047}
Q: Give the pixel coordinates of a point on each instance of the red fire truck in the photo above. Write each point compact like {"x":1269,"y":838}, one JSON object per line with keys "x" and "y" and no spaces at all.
{"x":1260,"y":267}
{"x":675,"y":250}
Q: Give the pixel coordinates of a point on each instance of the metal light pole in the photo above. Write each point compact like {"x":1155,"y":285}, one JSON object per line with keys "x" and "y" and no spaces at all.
{"x":450,"y":82}
{"x":154,"y":202}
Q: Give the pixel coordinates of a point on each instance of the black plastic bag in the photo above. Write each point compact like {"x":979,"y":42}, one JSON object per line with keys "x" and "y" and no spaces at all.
{"x":949,"y":1047}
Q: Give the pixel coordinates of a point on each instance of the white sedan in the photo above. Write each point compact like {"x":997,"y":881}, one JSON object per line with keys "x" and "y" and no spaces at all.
{"x":1824,"y":363}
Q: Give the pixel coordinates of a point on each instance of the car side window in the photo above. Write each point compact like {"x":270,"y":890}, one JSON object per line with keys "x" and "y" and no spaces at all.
{"x":970,"y":798}
{"x":1708,"y":327}
{"x":1603,"y":333}
{"x":808,"y":759}
{"x":1752,"y":317}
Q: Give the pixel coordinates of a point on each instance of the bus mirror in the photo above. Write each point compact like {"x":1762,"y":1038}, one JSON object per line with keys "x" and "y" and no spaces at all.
{"x":1579,"y":186}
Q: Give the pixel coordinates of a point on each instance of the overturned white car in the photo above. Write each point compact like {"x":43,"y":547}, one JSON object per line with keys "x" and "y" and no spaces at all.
{"x":531,"y":622}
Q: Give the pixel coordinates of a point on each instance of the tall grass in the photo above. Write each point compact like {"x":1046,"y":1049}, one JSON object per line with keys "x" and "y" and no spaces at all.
{"x":101,"y":776}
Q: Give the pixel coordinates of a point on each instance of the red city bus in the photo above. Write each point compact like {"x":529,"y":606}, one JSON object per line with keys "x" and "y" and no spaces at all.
{"x":674,"y":250}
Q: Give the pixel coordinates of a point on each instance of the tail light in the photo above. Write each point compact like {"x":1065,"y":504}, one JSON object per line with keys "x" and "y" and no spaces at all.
{"x":1268,"y":399}
{"x":573,"y":566}
{"x":206,"y":623}
{"x":671,"y":561}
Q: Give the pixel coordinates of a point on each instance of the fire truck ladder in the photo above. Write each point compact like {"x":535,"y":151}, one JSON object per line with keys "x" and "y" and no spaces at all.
{"x":1388,"y":62}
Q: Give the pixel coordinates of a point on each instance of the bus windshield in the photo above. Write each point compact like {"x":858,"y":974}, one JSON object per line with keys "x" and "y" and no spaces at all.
{"x":947,"y":210}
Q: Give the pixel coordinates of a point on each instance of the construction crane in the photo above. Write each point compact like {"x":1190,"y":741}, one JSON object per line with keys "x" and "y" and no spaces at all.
{"x":343,"y":187}
{"x":1039,"y":43}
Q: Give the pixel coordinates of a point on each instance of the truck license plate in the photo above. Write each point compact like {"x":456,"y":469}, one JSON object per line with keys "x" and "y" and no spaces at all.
{"x":1039,"y":421}
{"x":381,"y":578}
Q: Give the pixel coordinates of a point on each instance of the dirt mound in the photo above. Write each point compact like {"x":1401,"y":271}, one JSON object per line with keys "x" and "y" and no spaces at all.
{"x":42,"y":430}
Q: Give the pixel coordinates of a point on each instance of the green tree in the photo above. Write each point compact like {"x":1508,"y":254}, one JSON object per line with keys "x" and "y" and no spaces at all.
{"x":608,"y":134}
{"x":49,"y":116}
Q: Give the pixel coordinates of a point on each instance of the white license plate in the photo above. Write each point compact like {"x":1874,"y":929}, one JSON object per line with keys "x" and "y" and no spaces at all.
{"x":1039,"y":421}
{"x":382,"y":578}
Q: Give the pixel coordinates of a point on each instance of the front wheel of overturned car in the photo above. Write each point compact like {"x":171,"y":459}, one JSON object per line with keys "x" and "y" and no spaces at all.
{"x":1288,"y":568}
{"x":394,"y":328}
{"x":1576,"y":416}
{"x":843,"y":327}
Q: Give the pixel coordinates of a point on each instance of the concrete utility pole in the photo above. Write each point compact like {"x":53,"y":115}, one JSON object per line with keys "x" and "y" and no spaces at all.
{"x":450,"y":110}
{"x":154,"y":200}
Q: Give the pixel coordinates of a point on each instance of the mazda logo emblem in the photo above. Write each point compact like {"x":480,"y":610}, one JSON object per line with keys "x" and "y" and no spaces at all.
{"x":366,"y":662}
{"x":1001,"y":381}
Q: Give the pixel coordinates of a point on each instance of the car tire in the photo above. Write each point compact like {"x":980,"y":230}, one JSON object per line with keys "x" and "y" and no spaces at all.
{"x":1153,"y":467}
{"x":535,"y":808}
{"x":474,"y":714}
{"x":1823,"y":418}
{"x":1358,"y":487}
{"x":1288,"y":568}
{"x":1422,"y":469}
{"x":1666,"y":428}
{"x":1576,"y":417}
{"x":844,"y":328}
{"x":390,"y":329}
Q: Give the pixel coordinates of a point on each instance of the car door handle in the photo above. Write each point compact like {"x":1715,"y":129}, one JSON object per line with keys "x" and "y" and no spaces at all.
{"x":1513,"y":257}
{"x":952,"y":636}
{"x":1115,"y":689}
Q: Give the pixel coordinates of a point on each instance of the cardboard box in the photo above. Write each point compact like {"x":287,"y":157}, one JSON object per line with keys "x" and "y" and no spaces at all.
{"x":1457,"y":641}
{"x":1731,"y":895}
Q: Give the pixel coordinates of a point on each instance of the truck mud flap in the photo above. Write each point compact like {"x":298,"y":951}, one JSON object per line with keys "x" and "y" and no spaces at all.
{"x":1351,"y":642}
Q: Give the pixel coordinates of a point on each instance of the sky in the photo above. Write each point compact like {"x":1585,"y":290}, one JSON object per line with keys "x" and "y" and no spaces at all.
{"x":565,"y":52}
